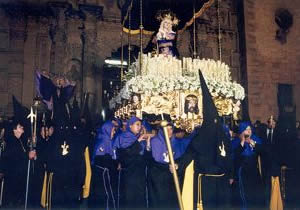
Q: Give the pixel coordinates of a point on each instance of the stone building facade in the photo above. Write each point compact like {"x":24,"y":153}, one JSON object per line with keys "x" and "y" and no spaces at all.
{"x":269,"y":62}
{"x":64,"y":37}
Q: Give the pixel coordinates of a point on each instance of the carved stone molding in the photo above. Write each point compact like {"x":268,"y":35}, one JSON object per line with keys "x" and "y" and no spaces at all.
{"x":58,"y":5}
{"x":76,"y":14}
{"x":93,"y":10}
{"x":22,"y":10}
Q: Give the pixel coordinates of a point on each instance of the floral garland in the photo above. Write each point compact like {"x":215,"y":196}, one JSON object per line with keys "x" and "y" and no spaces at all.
{"x":217,"y":77}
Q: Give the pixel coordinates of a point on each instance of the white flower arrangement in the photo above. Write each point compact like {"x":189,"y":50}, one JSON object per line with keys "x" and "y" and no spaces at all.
{"x":166,"y":74}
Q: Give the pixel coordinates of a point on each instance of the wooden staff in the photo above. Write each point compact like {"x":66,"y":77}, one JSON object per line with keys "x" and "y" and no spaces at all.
{"x":164,"y":124}
{"x":34,"y":130}
{"x":32,"y":144}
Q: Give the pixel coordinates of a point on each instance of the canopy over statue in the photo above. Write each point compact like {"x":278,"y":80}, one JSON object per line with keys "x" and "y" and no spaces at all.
{"x":163,"y":82}
{"x":184,"y":10}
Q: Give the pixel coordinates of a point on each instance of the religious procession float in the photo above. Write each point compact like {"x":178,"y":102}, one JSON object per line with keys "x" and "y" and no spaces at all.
{"x":161,"y":82}
{"x":168,"y":85}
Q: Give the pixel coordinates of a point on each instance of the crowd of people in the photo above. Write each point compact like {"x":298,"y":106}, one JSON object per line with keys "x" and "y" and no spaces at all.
{"x":125,"y":164}
{"x":130,"y":165}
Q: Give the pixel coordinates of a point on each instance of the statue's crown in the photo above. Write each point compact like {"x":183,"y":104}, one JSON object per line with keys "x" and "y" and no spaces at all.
{"x":167,"y":14}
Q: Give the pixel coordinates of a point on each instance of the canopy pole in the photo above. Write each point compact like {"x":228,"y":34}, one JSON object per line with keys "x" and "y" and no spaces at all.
{"x":164,"y":125}
{"x":129,"y":38}
{"x":141,"y":35}
{"x":122,"y":57}
{"x":194,"y":30}
{"x":122,"y":44}
{"x":219,"y":31}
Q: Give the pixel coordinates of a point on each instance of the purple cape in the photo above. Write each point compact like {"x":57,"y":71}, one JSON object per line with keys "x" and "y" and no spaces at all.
{"x":159,"y":147}
{"x":103,"y":140}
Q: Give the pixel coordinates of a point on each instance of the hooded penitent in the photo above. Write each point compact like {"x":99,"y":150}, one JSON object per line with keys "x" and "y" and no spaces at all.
{"x":159,"y":147}
{"x":211,"y":134}
{"x":127,"y":138}
{"x":248,"y":149}
{"x":204,"y":149}
{"x":104,"y":140}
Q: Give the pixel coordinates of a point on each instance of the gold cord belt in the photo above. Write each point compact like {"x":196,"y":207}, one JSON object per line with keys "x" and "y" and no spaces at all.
{"x":49,"y":191}
{"x":199,"y":201}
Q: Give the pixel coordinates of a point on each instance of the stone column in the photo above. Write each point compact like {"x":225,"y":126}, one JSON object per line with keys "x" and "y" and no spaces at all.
{"x":29,"y":63}
{"x":4,"y":48}
{"x":73,"y":58}
{"x":90,"y":59}
{"x":43,"y":46}
{"x":59,"y":39}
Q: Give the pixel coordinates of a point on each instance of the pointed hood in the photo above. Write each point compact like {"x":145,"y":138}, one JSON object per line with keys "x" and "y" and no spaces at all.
{"x":61,"y":113}
{"x":20,"y":115}
{"x":20,"y":112}
{"x":85,"y":111}
{"x":210,"y":113}
{"x":210,"y":136}
{"x":75,"y":113}
{"x":212,"y":128}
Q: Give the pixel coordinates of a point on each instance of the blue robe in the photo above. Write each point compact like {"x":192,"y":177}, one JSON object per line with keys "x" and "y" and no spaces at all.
{"x":248,"y":183}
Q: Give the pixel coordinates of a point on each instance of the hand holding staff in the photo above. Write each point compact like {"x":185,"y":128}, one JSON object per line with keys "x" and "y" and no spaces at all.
{"x":175,"y":176}
{"x":33,"y":121}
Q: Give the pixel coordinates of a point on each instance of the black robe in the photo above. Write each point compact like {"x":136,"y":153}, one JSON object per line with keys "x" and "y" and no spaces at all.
{"x":297,"y":172}
{"x":68,"y":168}
{"x":290,"y":178}
{"x":14,"y":165}
{"x":285,"y":154}
{"x":104,"y":190}
{"x":161,"y":187}
{"x":37,"y":172}
{"x":133,"y":177}
{"x":268,"y":159}
{"x":215,"y":170}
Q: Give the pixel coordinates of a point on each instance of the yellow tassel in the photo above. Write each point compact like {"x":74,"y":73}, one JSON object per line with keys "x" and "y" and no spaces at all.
{"x":49,"y":192}
{"x":199,"y":206}
{"x":88,"y":174}
{"x":188,"y":187}
{"x":276,"y":200}
{"x":199,"y":202}
{"x":44,"y":192}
